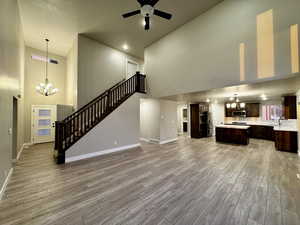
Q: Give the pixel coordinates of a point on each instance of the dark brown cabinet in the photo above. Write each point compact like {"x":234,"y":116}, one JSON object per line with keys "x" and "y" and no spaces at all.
{"x":286,"y":141}
{"x":195,"y":121}
{"x":290,"y":107}
{"x":252,"y":110}
{"x":199,"y":120}
{"x":232,"y":135}
{"x":262,"y":132}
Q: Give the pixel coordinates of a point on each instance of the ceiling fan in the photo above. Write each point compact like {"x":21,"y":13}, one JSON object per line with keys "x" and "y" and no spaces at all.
{"x":147,"y":10}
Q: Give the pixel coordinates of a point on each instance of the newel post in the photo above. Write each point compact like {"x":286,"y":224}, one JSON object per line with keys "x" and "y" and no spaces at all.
{"x":60,"y":153}
{"x":138,"y":82}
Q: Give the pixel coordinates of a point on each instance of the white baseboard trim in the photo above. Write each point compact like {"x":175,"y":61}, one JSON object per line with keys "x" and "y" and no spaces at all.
{"x":144,"y":139}
{"x":168,"y":141}
{"x":25,"y":145}
{"x":6,"y":182}
{"x":154,"y":140}
{"x":104,"y":152}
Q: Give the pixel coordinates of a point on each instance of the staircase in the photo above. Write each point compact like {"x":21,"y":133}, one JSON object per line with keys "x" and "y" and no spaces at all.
{"x":75,"y":126}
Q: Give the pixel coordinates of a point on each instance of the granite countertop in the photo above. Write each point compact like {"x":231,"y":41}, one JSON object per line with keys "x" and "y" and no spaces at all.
{"x":234,"y":126}
{"x":266,"y":123}
{"x":285,"y":128}
{"x":258,"y":123}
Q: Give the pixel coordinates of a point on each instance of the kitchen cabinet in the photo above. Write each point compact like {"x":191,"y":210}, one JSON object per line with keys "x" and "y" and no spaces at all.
{"x":199,"y":120}
{"x":290,"y":107}
{"x":195,"y":121}
{"x":252,"y":110}
{"x":286,"y":141}
{"x":262,"y":132}
{"x":232,"y":135}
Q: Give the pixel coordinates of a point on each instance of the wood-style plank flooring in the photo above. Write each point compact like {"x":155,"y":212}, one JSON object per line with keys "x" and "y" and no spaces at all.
{"x":188,"y":182}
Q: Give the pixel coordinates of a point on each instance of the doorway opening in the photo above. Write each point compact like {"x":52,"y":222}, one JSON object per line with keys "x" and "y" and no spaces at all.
{"x":15,"y":129}
{"x":131,"y":68}
{"x":182,"y":119}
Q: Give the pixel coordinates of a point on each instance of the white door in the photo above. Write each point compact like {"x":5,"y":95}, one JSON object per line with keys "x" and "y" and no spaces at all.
{"x":132,"y":68}
{"x":42,"y":123}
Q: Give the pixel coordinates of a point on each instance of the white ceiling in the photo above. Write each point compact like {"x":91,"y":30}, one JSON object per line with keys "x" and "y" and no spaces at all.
{"x":273,"y":90}
{"x":61,"y":20}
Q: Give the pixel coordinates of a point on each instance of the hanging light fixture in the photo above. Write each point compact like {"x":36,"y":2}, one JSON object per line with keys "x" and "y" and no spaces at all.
{"x":46,"y":88}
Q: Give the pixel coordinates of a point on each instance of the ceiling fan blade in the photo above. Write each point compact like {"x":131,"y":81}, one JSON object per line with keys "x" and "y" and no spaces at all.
{"x":126,"y":15}
{"x":162,"y":14}
{"x":142,"y":2}
{"x":147,"y":23}
{"x":153,"y":2}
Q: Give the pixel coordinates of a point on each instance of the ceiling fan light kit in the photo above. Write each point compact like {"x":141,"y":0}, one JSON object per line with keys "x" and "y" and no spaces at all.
{"x":147,"y":11}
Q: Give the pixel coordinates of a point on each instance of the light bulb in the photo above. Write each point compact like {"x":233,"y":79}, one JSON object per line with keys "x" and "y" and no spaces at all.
{"x":49,"y":85}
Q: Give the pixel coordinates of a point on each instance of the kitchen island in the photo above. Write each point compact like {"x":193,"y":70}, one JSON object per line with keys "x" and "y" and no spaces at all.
{"x":233,"y":134}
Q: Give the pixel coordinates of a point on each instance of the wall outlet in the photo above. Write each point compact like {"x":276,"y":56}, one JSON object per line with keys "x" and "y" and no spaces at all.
{"x":116,"y":142}
{"x":10,"y":131}
{"x":298,"y":176}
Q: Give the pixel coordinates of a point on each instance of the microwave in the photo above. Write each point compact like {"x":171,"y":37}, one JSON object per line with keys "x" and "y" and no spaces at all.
{"x":241,"y":113}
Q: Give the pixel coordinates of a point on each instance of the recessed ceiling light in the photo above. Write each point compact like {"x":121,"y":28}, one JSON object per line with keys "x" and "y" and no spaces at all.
{"x":208,"y":100}
{"x":125,"y":47}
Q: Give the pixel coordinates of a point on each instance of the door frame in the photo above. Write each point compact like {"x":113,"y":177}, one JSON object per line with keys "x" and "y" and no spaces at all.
{"x":128,"y":60}
{"x":32,"y":119}
{"x":15,"y":128}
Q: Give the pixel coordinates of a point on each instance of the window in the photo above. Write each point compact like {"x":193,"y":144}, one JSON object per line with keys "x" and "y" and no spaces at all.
{"x":44,"y":59}
{"x":271,"y":112}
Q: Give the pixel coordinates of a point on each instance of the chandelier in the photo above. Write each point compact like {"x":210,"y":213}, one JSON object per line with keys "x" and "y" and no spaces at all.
{"x":46,"y":88}
{"x":235,"y":103}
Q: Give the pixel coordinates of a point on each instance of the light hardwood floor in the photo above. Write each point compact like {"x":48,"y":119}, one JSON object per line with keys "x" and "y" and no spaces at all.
{"x":188,"y":182}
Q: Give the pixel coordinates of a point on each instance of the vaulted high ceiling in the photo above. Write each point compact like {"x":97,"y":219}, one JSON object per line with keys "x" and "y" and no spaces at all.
{"x":61,"y":20}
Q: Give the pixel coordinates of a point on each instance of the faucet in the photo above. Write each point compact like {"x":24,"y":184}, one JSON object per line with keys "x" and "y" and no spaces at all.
{"x":279,"y":120}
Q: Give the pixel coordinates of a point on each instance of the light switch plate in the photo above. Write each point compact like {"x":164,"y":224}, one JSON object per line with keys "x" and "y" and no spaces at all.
{"x":10,"y":131}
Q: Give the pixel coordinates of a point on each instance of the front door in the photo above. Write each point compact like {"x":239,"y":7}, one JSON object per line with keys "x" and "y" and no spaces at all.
{"x":42,"y":123}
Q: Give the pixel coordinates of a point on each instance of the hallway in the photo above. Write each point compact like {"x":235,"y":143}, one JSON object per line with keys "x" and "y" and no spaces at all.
{"x":188,"y":182}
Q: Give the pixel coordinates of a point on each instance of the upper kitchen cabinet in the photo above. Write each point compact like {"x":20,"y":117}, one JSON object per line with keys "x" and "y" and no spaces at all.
{"x":252,"y":109}
{"x":290,"y":107}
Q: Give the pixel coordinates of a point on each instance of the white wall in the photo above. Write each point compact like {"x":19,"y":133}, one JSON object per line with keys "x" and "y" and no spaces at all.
{"x":150,"y":119}
{"x":99,"y":68}
{"x":72,"y":75}
{"x":121,"y":128}
{"x":158,"y":120}
{"x":168,"y":120}
{"x":204,"y":53}
{"x":217,"y":114}
{"x":11,"y":81}
{"x":35,"y":74}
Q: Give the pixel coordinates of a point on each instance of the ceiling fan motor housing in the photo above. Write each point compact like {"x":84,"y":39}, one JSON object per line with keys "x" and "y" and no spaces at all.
{"x":147,"y":11}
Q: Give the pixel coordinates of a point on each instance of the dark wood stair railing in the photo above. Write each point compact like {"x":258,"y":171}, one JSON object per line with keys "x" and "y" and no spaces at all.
{"x":75,"y":126}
